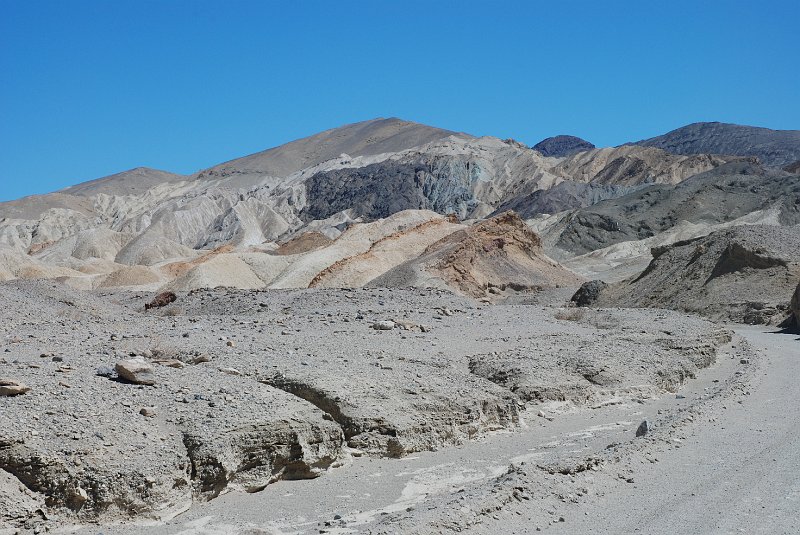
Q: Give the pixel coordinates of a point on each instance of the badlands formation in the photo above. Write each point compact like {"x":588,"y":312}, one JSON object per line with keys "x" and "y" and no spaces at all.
{"x":392,"y":328}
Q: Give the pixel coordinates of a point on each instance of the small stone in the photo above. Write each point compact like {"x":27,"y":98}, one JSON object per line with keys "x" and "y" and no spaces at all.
{"x":105,"y":371}
{"x":136,"y":371}
{"x":79,"y":497}
{"x":230,"y":371}
{"x":385,"y":325}
{"x":643,"y":429}
{"x":147,"y":412}
{"x":744,"y":361}
{"x":230,"y":343}
{"x":170,"y":363}
{"x":11,"y":387}
{"x":205,"y":357}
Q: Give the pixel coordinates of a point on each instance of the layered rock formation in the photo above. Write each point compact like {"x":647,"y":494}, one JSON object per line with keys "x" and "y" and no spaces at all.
{"x":287,"y":217}
{"x":487,"y":259}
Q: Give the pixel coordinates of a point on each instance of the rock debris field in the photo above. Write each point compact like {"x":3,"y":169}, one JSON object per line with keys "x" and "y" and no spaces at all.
{"x":111,"y":413}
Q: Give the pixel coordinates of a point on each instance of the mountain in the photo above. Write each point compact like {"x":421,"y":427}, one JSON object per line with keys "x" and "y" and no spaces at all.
{"x":745,"y":274}
{"x":630,"y":165}
{"x":772,"y":147}
{"x":346,"y":206}
{"x":567,"y":195}
{"x":366,"y":138}
{"x":131,"y":182}
{"x":731,"y":191}
{"x":560,"y":146}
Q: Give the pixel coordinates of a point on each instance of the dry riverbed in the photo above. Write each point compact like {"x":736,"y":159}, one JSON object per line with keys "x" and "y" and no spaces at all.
{"x":337,"y":411}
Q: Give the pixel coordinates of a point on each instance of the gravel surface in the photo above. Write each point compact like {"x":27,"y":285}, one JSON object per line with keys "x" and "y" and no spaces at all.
{"x":253,"y":387}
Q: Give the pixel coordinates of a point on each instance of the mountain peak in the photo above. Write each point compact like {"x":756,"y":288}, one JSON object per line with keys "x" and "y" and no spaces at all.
{"x":365,"y":138}
{"x":562,"y":145}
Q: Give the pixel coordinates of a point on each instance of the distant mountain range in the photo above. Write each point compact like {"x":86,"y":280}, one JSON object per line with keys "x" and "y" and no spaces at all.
{"x":772,"y":147}
{"x":152,"y":228}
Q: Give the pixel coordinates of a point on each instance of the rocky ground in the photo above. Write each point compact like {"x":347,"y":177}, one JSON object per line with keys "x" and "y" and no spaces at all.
{"x":115,"y":413}
{"x":717,"y":457}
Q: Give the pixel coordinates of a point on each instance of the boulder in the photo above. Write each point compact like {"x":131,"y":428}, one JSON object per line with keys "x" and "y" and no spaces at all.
{"x":161,"y":300}
{"x":137,"y":371}
{"x":588,"y":293}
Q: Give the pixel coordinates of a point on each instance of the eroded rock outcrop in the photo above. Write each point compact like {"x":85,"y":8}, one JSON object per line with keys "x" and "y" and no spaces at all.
{"x":742,"y":274}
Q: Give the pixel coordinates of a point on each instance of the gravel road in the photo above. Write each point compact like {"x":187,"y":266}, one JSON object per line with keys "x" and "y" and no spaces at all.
{"x":739,"y":474}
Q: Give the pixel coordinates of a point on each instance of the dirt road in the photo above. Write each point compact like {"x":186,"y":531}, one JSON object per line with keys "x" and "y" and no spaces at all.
{"x":737,"y":474}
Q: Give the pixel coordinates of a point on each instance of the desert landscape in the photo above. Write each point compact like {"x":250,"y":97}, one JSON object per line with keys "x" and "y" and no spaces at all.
{"x":389,"y":327}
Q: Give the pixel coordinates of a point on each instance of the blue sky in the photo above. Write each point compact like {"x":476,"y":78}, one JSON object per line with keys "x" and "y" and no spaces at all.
{"x":89,"y":88}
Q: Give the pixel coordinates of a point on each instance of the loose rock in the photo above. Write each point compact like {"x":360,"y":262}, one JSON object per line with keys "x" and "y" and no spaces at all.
{"x":11,"y":387}
{"x":385,"y":325}
{"x":643,"y":429}
{"x":136,"y":371}
{"x":199,"y":359}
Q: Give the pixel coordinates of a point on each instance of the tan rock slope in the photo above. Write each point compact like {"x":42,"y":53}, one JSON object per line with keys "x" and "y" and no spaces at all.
{"x":493,"y":256}
{"x":385,"y":254}
{"x":630,"y":165}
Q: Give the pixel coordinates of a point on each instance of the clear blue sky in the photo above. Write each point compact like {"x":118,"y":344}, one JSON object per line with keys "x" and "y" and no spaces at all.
{"x":89,"y":88}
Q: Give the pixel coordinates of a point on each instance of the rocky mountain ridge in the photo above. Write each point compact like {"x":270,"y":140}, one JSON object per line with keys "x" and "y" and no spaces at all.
{"x":772,"y":147}
{"x":230,"y":222}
